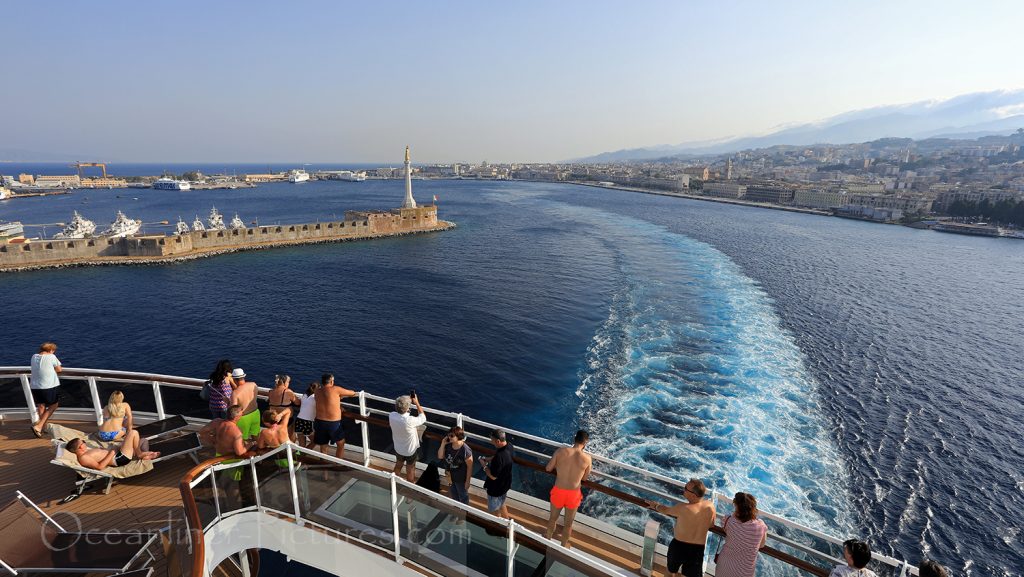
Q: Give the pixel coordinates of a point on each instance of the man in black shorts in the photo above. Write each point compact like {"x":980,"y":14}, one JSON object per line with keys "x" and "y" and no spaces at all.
{"x":99,"y":459}
{"x":327,"y":426}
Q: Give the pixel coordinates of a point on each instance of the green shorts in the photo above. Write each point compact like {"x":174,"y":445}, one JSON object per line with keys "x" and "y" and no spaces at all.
{"x":237,"y":472}
{"x":249,"y":425}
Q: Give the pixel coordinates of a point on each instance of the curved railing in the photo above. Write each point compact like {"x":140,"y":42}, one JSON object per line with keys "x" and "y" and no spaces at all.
{"x":621,"y":485}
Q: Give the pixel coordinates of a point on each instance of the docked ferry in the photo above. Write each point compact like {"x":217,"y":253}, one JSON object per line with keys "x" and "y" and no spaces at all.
{"x":346,"y":516}
{"x":171,"y":184}
{"x":297,"y":176}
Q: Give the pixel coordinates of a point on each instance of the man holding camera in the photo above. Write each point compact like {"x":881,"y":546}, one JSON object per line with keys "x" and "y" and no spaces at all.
{"x":405,"y":434}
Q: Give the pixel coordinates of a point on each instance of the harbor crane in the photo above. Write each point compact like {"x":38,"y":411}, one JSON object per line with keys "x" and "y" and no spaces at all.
{"x":79,"y":166}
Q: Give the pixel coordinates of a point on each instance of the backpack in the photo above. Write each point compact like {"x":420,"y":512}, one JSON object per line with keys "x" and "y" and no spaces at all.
{"x":204,"y":393}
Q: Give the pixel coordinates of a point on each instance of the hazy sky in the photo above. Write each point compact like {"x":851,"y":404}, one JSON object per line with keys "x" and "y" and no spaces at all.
{"x":469,"y":81}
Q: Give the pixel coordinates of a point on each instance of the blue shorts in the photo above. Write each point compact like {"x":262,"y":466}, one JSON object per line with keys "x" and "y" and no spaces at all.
{"x":109,"y":435}
{"x":326,"y":432}
{"x":495,"y":503}
{"x":47,"y":397}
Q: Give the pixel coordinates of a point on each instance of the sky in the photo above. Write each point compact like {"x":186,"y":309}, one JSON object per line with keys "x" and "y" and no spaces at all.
{"x":527,"y":81}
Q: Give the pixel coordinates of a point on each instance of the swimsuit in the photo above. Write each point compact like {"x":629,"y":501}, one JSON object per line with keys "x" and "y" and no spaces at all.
{"x":108,"y":436}
{"x":120,"y":460}
{"x":325,"y":432}
{"x":567,"y":498}
{"x":303,"y":427}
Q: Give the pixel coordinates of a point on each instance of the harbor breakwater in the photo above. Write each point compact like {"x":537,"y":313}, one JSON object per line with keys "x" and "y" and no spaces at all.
{"x":151,"y":249}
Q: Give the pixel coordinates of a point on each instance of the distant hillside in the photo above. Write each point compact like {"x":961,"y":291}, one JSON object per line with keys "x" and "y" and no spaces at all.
{"x":967,"y":116}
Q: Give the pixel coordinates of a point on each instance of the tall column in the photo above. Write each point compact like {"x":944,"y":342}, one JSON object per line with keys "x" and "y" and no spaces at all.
{"x":409,"y":202}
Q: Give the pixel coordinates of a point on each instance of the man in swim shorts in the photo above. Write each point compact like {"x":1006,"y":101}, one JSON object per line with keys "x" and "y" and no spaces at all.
{"x":100,"y":459}
{"x":571,"y":466}
{"x":327,"y":425}
{"x":244,"y":396}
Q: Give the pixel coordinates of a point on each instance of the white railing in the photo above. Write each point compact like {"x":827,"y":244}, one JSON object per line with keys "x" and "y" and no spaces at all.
{"x":403,"y":496}
{"x":155,"y":384}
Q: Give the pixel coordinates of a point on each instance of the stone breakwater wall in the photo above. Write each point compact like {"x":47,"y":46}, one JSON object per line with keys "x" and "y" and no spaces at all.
{"x":199,"y":244}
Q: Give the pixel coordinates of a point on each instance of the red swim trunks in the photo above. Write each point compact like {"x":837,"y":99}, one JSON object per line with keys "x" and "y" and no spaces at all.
{"x":567,"y":498}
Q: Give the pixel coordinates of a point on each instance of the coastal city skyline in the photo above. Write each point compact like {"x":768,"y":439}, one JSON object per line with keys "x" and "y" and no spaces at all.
{"x":540,"y":84}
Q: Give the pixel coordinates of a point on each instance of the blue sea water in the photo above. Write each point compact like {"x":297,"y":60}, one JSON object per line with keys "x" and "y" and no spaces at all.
{"x":861,"y":378}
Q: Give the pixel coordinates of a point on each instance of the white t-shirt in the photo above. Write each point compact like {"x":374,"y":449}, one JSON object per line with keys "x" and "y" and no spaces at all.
{"x":307,"y":412}
{"x":44,"y":375}
{"x":404,"y":433}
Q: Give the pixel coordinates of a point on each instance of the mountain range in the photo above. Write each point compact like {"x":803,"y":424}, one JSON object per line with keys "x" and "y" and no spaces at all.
{"x":966,"y":116}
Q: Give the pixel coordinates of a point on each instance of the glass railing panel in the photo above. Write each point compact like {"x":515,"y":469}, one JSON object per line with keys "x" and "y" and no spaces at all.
{"x":535,"y":557}
{"x":138,"y":395}
{"x":11,"y":394}
{"x":446,"y":539}
{"x":74,"y":393}
{"x":235,"y":488}
{"x":203,"y":494}
{"x":180,"y":401}
{"x":347,"y":500}
{"x":274,"y":483}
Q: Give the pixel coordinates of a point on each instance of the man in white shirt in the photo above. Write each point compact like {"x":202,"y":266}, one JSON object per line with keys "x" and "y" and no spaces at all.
{"x":44,"y":383}
{"x":406,"y":435}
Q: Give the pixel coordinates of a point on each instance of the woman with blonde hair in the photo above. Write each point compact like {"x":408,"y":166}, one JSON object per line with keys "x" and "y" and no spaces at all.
{"x":282,"y":399}
{"x":117,"y":418}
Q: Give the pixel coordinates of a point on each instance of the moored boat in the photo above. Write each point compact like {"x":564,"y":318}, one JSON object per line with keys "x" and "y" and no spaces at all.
{"x":79,"y":227}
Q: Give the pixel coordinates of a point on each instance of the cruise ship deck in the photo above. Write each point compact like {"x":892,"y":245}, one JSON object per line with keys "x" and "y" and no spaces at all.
{"x":366,"y":519}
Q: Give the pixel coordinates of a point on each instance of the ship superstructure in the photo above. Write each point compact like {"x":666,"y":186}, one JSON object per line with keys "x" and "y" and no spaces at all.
{"x":216,"y":220}
{"x":79,"y":227}
{"x":122,"y":226}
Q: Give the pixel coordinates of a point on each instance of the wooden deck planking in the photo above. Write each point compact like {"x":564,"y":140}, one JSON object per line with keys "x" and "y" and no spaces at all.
{"x":146,"y":502}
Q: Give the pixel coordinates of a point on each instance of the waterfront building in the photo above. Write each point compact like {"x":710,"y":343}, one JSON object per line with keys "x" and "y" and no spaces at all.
{"x":58,"y":181}
{"x":946,"y":199}
{"x":724,"y":190}
{"x":700,"y":172}
{"x":26,"y":179}
{"x":104,"y":182}
{"x":820,"y":198}
{"x":906,"y":204}
{"x":772,"y":192}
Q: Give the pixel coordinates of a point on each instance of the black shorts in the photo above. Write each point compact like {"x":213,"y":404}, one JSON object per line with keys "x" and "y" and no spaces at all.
{"x":325,"y":432}
{"x":685,"y":558}
{"x":120,"y":460}
{"x":411,"y":459}
{"x":303,"y":427}
{"x":46,"y":397}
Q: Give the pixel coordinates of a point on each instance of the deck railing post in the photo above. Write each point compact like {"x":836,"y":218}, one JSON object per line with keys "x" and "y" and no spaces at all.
{"x":216,"y":497}
{"x":365,"y":428}
{"x":158,"y":398}
{"x":294,"y":485}
{"x":26,"y":386}
{"x":510,"y":549}
{"x":94,"y":392}
{"x":394,"y":517}
{"x":255,"y":485}
{"x":458,"y":420}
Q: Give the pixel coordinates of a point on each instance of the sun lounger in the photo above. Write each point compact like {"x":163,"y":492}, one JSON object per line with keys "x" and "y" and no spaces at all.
{"x":187,"y":444}
{"x":31,"y":541}
{"x":162,"y":427}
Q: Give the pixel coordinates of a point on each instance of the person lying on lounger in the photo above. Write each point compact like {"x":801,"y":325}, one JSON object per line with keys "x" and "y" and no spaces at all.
{"x":100,"y":459}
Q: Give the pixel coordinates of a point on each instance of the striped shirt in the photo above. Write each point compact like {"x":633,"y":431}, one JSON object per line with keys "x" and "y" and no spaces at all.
{"x":220,"y":396}
{"x":738,"y":557}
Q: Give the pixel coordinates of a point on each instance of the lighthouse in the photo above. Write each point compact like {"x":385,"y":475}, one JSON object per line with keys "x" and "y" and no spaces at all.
{"x":409,"y":201}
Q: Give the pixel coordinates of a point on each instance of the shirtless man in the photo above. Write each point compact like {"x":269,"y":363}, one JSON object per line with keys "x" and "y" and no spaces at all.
{"x":100,"y":459}
{"x":244,"y":396}
{"x":327,"y":426}
{"x":693,"y":519}
{"x":227,"y":437}
{"x":571,"y":466}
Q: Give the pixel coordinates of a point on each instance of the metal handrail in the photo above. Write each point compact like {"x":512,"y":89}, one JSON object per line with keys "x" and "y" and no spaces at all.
{"x":157,"y":381}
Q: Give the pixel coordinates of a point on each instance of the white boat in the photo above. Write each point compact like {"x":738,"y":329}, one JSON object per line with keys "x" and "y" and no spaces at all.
{"x":297,"y":176}
{"x":79,"y":227}
{"x":236,"y":223}
{"x":171,"y":184}
{"x":9,"y":230}
{"x":181,"y":227}
{"x":122,"y":226}
{"x":197,"y":224}
{"x":215,"y":220}
{"x":346,"y":175}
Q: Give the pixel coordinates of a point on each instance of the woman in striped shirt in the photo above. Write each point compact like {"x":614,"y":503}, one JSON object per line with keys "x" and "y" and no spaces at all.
{"x":744,"y":535}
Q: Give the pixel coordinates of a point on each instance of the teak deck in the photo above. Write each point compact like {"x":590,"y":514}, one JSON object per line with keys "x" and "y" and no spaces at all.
{"x":150,"y":502}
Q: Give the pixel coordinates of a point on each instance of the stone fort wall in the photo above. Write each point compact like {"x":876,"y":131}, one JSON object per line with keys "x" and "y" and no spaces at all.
{"x":355,"y":226}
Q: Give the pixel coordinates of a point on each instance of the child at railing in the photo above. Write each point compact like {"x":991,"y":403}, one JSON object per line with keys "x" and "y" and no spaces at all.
{"x":307,"y":412}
